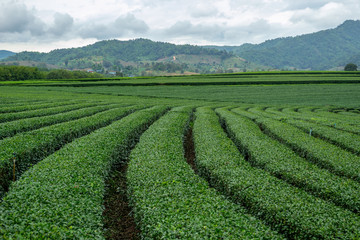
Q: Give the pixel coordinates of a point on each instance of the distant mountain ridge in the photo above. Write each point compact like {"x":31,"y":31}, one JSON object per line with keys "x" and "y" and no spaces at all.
{"x":323,"y":50}
{"x":132,"y":50}
{"x":316,"y":51}
{"x":139,"y":56}
{"x":5,"y":54}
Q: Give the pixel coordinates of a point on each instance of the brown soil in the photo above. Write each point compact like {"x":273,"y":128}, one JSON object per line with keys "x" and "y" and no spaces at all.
{"x":119,"y":223}
{"x":190,"y":149}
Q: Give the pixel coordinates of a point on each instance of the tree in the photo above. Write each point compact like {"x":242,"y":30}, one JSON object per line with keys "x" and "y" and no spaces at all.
{"x":60,"y":74}
{"x":350,"y":67}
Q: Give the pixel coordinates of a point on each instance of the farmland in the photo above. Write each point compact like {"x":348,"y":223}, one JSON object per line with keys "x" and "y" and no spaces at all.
{"x":234,"y":156}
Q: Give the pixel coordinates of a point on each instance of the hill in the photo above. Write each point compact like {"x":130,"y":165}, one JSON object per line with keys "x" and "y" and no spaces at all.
{"x":5,"y":54}
{"x":140,"y":57}
{"x":354,"y":59}
{"x":317,"y":51}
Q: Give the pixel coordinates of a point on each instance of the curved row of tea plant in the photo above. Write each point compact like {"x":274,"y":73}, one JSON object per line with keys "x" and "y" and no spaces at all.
{"x":346,"y":140}
{"x":325,"y":113}
{"x":312,"y":117}
{"x":316,"y":150}
{"x":282,"y":162}
{"x":33,"y":106}
{"x":30,"y":147}
{"x":6,"y":102}
{"x":9,"y":129}
{"x":62,"y":196}
{"x":7,"y":117}
{"x":353,"y":113}
{"x":170,"y":201}
{"x":286,"y":208}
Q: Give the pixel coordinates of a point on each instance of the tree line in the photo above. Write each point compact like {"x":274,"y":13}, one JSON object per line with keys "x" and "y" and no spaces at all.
{"x":18,"y":73}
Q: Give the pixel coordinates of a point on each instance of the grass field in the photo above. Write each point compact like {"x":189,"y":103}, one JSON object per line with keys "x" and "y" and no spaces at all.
{"x":236,"y":156}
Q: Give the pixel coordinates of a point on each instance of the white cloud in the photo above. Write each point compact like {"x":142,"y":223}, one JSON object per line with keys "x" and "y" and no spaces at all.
{"x":327,"y":15}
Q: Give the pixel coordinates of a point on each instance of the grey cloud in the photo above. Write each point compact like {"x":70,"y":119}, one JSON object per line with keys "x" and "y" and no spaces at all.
{"x":327,"y":16}
{"x":16,"y":18}
{"x":123,"y":25}
{"x":254,"y":32}
{"x":131,"y":23}
{"x":98,"y":31}
{"x":186,"y":28}
{"x":312,"y":4}
{"x":297,"y":5}
{"x":200,"y":11}
{"x":259,"y":26}
{"x":20,"y":24}
{"x":63,"y":24}
{"x":15,"y":37}
{"x":234,"y":35}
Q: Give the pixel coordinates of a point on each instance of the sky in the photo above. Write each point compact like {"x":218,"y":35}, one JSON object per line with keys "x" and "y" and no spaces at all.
{"x":43,"y":25}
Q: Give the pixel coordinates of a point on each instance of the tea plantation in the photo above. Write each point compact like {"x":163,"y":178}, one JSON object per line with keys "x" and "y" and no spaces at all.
{"x":234,"y":156}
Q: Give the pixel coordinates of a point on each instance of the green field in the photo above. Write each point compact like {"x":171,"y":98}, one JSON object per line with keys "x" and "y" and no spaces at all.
{"x":235,"y":156}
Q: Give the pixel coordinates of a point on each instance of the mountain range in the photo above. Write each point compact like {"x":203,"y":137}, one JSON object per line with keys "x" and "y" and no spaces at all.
{"x":139,"y":56}
{"x":5,"y":54}
{"x":324,"y":50}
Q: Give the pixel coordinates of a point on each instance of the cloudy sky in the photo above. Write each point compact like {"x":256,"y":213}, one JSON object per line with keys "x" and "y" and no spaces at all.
{"x":43,"y":25}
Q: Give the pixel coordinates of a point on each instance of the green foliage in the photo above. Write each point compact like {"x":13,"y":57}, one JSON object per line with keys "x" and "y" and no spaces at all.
{"x":59,"y":74}
{"x":9,"y":129}
{"x":170,"y":201}
{"x":52,"y":108}
{"x":5,"y":54}
{"x":317,"y":51}
{"x":292,"y":211}
{"x":346,"y":140}
{"x":317,"y":121}
{"x":316,"y":150}
{"x":15,"y":73}
{"x":350,"y":67}
{"x":272,"y":94}
{"x":136,"y":56}
{"x":283,"y":163}
{"x":345,"y":124}
{"x":255,"y":78}
{"x":133,"y":50}
{"x":354,"y":59}
{"x":60,"y":193}
{"x":65,"y":201}
{"x":22,"y":106}
{"x":30,"y":147}
{"x":66,"y":74}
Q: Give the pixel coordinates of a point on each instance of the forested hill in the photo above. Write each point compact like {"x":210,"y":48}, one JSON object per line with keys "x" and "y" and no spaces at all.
{"x":140,"y":57}
{"x":317,"y":51}
{"x":133,"y":50}
{"x":5,"y":54}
